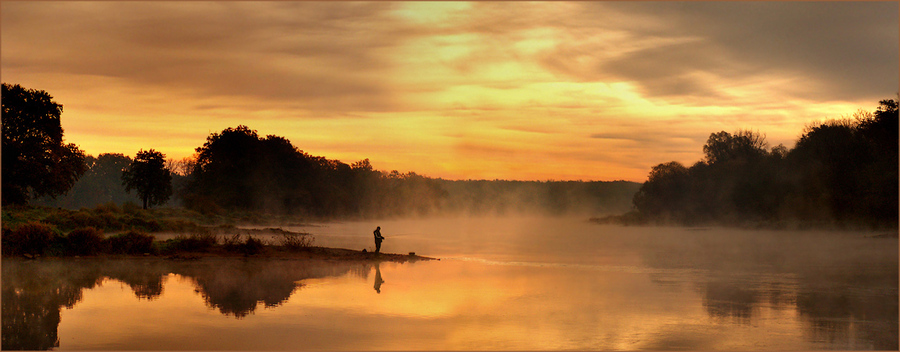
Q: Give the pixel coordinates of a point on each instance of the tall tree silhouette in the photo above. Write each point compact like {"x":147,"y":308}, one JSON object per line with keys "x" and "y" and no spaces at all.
{"x":841,"y":172}
{"x":36,"y":162}
{"x":148,"y":175}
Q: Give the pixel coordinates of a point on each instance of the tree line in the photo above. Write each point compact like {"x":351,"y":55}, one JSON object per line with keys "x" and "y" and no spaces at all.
{"x":841,"y":172}
{"x":37,"y":163}
{"x":239,"y":170}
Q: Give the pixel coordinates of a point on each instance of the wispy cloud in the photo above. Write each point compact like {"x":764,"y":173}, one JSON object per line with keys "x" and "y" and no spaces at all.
{"x":597,"y":88}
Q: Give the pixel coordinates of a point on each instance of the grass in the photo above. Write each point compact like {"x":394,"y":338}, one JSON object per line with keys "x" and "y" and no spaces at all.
{"x":296,"y":241}
{"x":126,"y":230}
{"x":197,"y":242}
{"x":250,"y":246}
{"x":85,"y":241}
{"x":35,"y":239}
{"x":113,"y":218}
{"x":32,"y":238}
{"x":131,"y":242}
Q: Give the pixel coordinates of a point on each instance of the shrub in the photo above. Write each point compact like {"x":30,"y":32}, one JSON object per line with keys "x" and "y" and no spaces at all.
{"x":30,"y":238}
{"x":131,"y":208}
{"x":131,"y":242}
{"x":231,"y":242}
{"x":86,"y":218}
{"x":85,"y":241}
{"x":250,"y":246}
{"x":109,"y":207}
{"x":9,"y":247}
{"x":295,"y":241}
{"x":193,"y":243}
{"x":140,"y":222}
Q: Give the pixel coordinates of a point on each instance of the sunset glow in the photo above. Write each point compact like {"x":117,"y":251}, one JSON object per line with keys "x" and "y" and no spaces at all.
{"x":457,"y":90}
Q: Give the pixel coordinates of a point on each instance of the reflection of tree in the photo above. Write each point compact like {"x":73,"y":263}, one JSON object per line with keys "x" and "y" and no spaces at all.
{"x":723,"y":300}
{"x":236,"y":287}
{"x":852,"y":306}
{"x":146,"y":280}
{"x":845,"y":289}
{"x":32,"y":296}
{"x":34,"y":292}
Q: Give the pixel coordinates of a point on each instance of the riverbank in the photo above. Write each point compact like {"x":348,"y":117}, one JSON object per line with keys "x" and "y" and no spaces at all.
{"x":270,"y":252}
{"x":312,"y":253}
{"x":109,"y":231}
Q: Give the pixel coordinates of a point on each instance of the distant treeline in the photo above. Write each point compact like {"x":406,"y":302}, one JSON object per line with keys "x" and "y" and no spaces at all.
{"x":840,"y":173}
{"x":238,"y":170}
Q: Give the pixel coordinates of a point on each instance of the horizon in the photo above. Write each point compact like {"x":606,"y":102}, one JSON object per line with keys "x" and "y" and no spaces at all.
{"x":595,"y":91}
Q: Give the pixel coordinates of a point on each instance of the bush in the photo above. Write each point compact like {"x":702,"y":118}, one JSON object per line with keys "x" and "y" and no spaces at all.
{"x":85,"y":241}
{"x":139,"y":222}
{"x":30,"y":238}
{"x":250,"y":246}
{"x":192,"y":243}
{"x":109,"y":207}
{"x":295,"y":241}
{"x":131,"y":208}
{"x":131,"y":242}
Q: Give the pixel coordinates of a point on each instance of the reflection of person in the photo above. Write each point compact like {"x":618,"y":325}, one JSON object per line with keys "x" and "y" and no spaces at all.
{"x":378,"y":239}
{"x":378,"y":280}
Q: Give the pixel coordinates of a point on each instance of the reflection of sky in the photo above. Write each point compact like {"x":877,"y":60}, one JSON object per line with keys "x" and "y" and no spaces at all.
{"x":518,"y":283}
{"x":433,"y":305}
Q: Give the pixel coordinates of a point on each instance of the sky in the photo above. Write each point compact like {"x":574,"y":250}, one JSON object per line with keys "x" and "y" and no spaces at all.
{"x":458,"y":90}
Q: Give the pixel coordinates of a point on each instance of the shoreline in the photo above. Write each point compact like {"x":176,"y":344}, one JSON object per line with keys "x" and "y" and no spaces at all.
{"x":270,"y":252}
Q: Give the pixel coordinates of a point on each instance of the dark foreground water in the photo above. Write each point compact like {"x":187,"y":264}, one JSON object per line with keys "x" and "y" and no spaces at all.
{"x":509,"y":283}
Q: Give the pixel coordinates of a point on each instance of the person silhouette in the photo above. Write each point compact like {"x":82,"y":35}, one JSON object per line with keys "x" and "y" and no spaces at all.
{"x":378,"y":279}
{"x":378,"y":238}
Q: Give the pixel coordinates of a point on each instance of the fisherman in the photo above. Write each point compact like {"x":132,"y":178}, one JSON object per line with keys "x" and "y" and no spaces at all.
{"x":378,"y":238}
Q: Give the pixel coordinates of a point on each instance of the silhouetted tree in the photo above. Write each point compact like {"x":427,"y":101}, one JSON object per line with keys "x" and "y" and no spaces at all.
{"x":743,"y":145}
{"x":36,"y":162}
{"x":236,"y":169}
{"x":841,"y":171}
{"x":148,"y":175}
{"x":100,"y":184}
{"x":665,"y":190}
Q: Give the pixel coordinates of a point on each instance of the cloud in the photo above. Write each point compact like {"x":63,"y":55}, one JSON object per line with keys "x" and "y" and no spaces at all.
{"x":321,"y":55}
{"x":622,"y":84}
{"x":826,"y":47}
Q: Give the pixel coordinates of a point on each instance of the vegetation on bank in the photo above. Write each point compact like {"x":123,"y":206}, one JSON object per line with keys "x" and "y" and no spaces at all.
{"x":841,"y":173}
{"x":34,"y":239}
{"x":109,"y":229}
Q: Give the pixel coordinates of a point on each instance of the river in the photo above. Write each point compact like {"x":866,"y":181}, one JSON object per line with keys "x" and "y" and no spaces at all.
{"x":509,"y":283}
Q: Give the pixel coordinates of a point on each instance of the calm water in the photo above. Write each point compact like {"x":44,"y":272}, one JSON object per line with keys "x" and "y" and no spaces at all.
{"x":502,"y":284}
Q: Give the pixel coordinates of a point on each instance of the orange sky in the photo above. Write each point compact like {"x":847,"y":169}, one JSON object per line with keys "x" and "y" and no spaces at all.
{"x":483,"y":90}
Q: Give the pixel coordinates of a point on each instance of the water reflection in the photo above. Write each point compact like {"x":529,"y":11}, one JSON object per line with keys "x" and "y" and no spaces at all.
{"x":699,"y":290}
{"x":34,"y":292}
{"x":32,"y":295}
{"x":844,"y":289}
{"x":378,"y":280}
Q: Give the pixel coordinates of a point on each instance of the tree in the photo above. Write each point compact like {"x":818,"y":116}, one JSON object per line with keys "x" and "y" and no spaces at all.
{"x":100,"y":184}
{"x":742,"y":146}
{"x":36,"y":163}
{"x":665,"y":191}
{"x":148,"y":175}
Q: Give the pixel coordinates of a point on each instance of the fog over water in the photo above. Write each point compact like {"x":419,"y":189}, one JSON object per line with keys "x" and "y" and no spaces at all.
{"x":503,"y":283}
